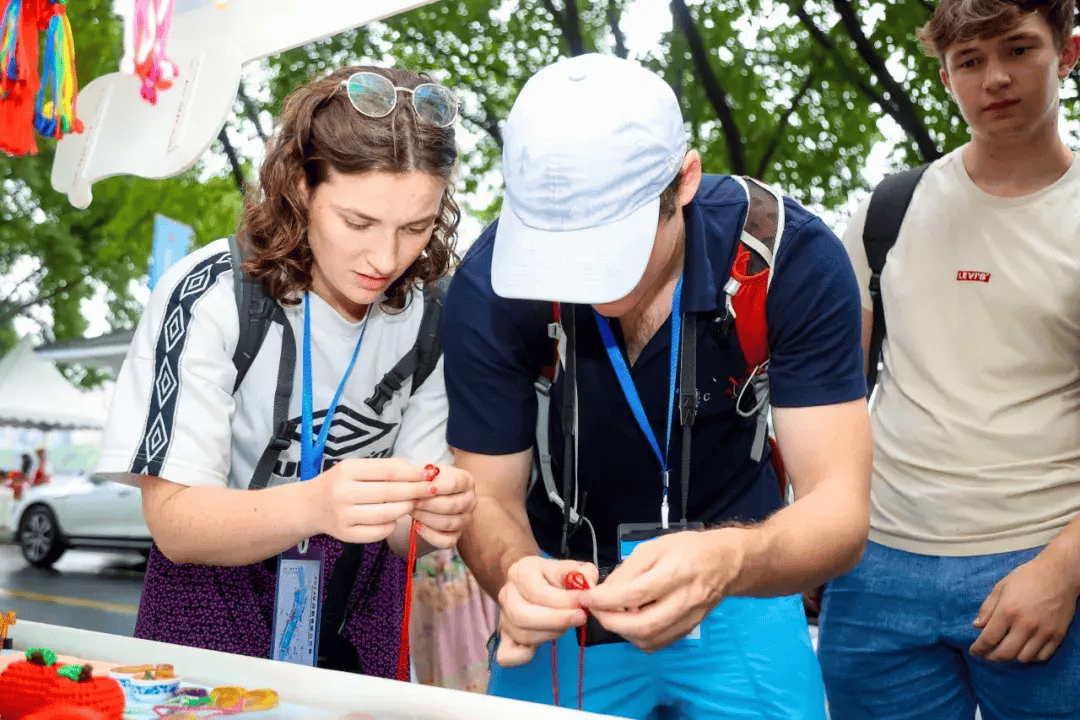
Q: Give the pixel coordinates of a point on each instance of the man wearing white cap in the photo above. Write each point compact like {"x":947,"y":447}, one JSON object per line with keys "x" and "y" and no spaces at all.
{"x":607,"y":213}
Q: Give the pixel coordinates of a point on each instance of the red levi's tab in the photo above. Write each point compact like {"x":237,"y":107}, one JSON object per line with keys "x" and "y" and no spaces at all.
{"x":972,"y":276}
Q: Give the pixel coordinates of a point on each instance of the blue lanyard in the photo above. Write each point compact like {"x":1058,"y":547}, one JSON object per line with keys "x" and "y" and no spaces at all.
{"x":311,"y":454}
{"x":631,"y":394}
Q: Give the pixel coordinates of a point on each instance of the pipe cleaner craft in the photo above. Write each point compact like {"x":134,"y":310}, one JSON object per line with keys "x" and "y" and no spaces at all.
{"x":146,"y":36}
{"x":7,"y":621}
{"x":196,"y":704}
{"x":26,"y":102}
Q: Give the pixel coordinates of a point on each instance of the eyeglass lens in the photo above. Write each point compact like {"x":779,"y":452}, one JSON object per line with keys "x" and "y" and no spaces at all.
{"x":372,"y":94}
{"x":375,"y":96}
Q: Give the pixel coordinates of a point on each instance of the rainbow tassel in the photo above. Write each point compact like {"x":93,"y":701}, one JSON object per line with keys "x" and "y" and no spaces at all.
{"x":9,"y":41}
{"x":55,"y":116}
{"x":18,"y":75}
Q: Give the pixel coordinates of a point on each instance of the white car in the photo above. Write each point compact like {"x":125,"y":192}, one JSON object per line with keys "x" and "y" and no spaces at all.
{"x":78,"y":512}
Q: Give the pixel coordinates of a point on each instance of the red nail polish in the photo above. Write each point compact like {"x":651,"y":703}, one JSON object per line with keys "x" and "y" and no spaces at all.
{"x":433,"y":490}
{"x":430,"y":472}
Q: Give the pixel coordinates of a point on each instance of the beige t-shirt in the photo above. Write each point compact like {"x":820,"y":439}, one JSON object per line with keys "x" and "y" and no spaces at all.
{"x":976,"y":417}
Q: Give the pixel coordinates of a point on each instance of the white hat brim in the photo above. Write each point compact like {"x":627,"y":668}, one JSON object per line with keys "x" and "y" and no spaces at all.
{"x":590,"y":266}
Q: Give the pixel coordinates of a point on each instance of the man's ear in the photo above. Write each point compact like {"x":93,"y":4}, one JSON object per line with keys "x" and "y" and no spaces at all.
{"x":691,"y":170}
{"x":1069,"y":55}
{"x":944,"y":75}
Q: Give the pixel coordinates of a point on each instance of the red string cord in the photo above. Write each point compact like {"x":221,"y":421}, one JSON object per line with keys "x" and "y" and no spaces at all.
{"x":572,"y":581}
{"x":403,"y":651}
{"x":430,"y":473}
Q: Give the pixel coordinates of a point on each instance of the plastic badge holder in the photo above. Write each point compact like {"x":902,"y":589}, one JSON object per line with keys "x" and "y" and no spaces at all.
{"x":125,"y":134}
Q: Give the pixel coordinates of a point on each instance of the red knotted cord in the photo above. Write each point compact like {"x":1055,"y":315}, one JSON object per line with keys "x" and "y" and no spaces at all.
{"x":572,"y":581}
{"x":431,"y":472}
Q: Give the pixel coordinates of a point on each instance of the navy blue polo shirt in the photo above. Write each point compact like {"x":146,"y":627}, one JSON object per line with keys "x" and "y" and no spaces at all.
{"x":495,"y":349}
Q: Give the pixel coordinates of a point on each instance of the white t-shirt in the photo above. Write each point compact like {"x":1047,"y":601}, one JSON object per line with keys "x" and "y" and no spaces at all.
{"x":174,"y":415}
{"x":977,"y":416}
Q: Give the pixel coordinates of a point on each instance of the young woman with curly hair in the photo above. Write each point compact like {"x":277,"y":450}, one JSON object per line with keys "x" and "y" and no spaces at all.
{"x":354,"y":213}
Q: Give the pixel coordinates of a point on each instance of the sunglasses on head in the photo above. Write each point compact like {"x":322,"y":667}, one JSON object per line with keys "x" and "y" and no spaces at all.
{"x":376,"y":96}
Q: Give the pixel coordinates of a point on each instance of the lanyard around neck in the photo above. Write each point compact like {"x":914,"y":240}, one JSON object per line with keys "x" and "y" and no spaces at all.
{"x":626,"y":382}
{"x":311,"y":453}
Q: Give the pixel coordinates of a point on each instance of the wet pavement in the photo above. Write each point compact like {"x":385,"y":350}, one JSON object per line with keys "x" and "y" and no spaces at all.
{"x":85,"y":589}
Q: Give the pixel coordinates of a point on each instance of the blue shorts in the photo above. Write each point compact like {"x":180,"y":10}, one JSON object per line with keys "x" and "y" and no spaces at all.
{"x":754,"y":660}
{"x":895,"y":634}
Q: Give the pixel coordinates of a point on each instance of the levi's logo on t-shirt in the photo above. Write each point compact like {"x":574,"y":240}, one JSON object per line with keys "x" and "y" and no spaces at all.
{"x":972,"y":276}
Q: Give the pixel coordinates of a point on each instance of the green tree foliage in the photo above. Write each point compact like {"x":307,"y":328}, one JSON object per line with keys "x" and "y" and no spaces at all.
{"x":795,"y":93}
{"x":55,"y":255}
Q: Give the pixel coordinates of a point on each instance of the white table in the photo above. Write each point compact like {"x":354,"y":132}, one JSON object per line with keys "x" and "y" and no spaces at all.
{"x":305,"y":692}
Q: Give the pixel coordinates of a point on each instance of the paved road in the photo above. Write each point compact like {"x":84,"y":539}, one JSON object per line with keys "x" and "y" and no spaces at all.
{"x":88,"y":590}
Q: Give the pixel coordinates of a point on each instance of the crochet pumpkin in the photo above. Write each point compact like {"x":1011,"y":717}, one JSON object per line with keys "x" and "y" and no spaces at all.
{"x":28,"y":685}
{"x":67,"y":712}
{"x":79,"y":688}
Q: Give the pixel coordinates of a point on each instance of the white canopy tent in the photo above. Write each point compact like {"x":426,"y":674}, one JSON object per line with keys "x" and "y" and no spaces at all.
{"x":34,"y":394}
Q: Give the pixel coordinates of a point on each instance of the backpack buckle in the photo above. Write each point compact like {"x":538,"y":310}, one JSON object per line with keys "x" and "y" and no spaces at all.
{"x":383,"y":392}
{"x":282,"y":437}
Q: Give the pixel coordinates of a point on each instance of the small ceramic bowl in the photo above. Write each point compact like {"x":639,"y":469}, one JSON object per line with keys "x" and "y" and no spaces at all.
{"x":140,"y":690}
{"x":151,"y":692}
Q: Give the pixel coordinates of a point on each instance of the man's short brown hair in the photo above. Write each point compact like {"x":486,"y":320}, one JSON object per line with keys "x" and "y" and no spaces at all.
{"x":957,"y":21}
{"x":669,"y":199}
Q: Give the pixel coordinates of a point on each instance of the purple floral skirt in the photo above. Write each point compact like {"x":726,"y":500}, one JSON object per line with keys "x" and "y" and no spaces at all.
{"x":230,"y":608}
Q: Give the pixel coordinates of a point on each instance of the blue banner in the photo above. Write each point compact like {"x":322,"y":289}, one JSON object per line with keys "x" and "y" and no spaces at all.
{"x":171,"y":242}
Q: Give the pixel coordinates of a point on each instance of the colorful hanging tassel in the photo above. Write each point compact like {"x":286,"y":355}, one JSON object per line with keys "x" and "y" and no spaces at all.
{"x":146,"y":38}
{"x":18,"y":76}
{"x":55,"y":115}
{"x":9,"y":44}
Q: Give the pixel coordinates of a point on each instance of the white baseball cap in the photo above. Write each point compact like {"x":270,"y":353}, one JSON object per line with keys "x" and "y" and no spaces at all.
{"x":589,"y":146}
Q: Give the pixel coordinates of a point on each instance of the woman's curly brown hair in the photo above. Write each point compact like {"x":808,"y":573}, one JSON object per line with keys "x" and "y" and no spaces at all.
{"x":319,"y":129}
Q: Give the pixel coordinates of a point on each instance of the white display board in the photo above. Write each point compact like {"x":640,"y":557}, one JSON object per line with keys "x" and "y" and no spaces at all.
{"x":306,"y":692}
{"x":125,"y":134}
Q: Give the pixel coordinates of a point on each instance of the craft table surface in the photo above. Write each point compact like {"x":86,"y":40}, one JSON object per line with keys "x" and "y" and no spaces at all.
{"x":306,"y":693}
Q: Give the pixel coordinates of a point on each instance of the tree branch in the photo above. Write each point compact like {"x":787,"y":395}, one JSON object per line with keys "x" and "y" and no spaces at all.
{"x":823,"y":40}
{"x":488,"y":124}
{"x":907,"y":115}
{"x":10,"y":311}
{"x":569,"y":23}
{"x":33,"y":276}
{"x":251,"y":111}
{"x":573,"y":22}
{"x":616,"y":31}
{"x":713,"y":90}
{"x":781,"y":127}
{"x":237,"y":169}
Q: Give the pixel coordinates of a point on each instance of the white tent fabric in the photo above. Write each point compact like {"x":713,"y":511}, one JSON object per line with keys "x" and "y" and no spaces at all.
{"x":34,"y":394}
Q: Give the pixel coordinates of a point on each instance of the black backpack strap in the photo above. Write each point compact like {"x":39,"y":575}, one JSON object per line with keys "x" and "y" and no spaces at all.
{"x":884,"y":216}
{"x":569,"y":421}
{"x":335,"y":651}
{"x":255,"y":312}
{"x":283,"y":429}
{"x":423,"y":356}
{"x":687,"y":400}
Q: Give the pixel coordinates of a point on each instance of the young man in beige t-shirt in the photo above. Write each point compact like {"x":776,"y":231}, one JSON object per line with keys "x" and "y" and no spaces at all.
{"x":967,"y":593}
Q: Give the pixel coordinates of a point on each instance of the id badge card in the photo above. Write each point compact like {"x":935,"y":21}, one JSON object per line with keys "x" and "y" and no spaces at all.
{"x":297,"y":606}
{"x":633,"y":534}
